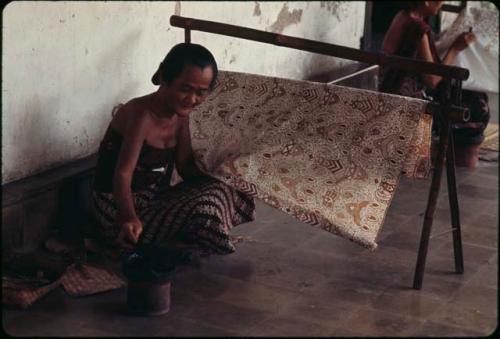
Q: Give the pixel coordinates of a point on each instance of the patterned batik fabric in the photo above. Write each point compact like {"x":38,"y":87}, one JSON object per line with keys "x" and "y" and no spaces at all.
{"x":481,"y":57}
{"x":201,"y":211}
{"x":328,"y":155}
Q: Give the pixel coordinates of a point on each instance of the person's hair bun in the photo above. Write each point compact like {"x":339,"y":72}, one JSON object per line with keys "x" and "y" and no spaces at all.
{"x":156,"y":77}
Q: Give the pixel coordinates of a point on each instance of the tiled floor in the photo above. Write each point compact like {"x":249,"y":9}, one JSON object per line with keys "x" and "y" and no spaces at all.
{"x":290,"y":279}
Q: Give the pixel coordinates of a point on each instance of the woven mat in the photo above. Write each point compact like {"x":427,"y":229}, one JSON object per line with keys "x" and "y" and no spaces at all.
{"x":89,"y":280}
{"x":18,"y":293}
{"x":328,"y":155}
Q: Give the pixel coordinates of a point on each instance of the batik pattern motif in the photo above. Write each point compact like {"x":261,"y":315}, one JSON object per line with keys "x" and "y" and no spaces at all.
{"x":328,"y":155}
{"x":201,"y":211}
{"x":480,"y":57}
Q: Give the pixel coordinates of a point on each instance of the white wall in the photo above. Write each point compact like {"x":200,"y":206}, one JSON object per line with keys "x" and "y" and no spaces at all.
{"x":65,"y":64}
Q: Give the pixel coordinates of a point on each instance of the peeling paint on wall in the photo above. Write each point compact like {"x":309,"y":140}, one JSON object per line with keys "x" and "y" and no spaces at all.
{"x":177,"y":10}
{"x":72,"y":99}
{"x":256,"y":10}
{"x":334,"y":7}
{"x":286,"y":18}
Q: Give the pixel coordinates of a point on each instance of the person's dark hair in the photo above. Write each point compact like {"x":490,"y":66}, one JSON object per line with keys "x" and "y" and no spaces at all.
{"x":185,"y":54}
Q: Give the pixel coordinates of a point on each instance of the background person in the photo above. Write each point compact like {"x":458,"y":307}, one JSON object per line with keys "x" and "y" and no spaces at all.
{"x":410,"y":36}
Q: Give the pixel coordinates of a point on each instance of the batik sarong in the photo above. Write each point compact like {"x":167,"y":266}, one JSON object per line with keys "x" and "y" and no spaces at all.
{"x":200,"y":211}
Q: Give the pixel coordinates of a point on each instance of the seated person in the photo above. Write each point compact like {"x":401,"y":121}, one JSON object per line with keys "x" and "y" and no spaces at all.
{"x":149,"y":135}
{"x":410,"y":36}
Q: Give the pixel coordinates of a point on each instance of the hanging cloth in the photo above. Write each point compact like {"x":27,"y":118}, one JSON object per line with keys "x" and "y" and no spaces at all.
{"x":331,"y":156}
{"x":481,"y":57}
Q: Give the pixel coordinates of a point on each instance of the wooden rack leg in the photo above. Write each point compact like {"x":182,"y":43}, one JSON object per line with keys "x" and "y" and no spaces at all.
{"x":454,"y":208}
{"x":431,"y":204}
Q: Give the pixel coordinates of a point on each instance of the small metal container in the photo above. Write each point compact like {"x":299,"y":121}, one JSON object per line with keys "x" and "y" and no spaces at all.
{"x":148,"y":298}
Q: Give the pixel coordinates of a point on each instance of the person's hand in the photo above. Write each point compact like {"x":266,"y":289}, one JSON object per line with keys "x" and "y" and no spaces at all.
{"x":463,"y":41}
{"x":129,"y":233}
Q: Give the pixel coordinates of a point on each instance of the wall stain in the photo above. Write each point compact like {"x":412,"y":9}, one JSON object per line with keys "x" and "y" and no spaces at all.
{"x":177,"y":8}
{"x":334,"y":7}
{"x":286,"y":18}
{"x":256,"y":10}
{"x":233,"y":59}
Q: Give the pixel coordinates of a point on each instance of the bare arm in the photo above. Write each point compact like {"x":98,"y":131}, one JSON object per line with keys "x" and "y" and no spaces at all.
{"x":133,"y":138}
{"x":184,"y":159}
{"x":424,"y":52}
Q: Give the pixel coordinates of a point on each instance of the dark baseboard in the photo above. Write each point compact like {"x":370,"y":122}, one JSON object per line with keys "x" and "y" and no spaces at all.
{"x":56,"y":200}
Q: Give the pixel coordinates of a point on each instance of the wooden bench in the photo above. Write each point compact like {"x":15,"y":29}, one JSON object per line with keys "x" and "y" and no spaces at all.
{"x":54,"y":200}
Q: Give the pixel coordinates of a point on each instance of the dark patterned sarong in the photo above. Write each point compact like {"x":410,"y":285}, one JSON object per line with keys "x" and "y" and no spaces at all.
{"x":201,"y":211}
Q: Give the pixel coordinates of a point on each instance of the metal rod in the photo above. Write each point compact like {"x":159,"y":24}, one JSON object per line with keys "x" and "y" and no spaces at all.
{"x":364,"y":70}
{"x":407,"y":64}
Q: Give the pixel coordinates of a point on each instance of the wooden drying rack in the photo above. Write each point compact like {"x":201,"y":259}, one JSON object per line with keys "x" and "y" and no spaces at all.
{"x":448,"y":110}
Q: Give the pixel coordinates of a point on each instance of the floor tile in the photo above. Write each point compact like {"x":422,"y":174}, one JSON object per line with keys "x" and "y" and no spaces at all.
{"x":233,"y":318}
{"x":408,"y":303}
{"x":432,"y":329}
{"x":290,"y":279}
{"x":289,"y":327}
{"x":379,"y":323}
{"x":465,"y":317}
{"x":318,"y":309}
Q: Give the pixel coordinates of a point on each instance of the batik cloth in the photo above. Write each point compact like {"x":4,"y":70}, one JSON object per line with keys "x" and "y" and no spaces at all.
{"x":328,"y":155}
{"x":200,"y":211}
{"x":480,"y":57}
{"x":397,"y":81}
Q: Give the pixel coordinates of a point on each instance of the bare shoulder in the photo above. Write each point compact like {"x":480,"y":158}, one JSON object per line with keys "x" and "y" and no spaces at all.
{"x":393,"y":35}
{"x":132,"y":113}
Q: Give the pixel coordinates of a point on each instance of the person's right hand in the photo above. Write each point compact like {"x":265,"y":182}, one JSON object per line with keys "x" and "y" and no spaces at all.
{"x":463,"y":41}
{"x":129,"y":233}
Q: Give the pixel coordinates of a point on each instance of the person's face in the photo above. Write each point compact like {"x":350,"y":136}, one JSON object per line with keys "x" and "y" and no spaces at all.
{"x":188,"y":89}
{"x":432,"y":7}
